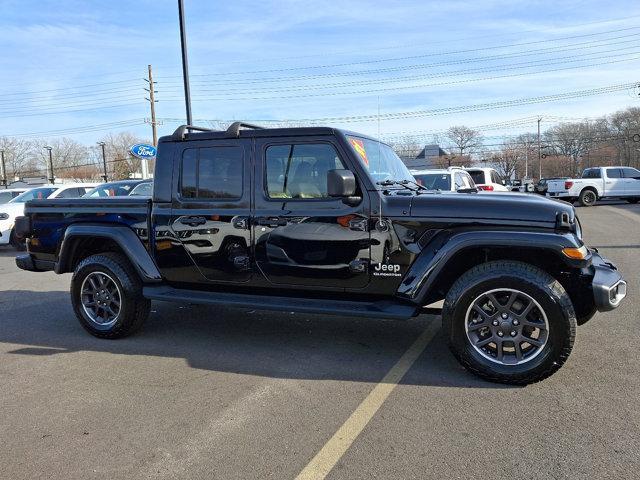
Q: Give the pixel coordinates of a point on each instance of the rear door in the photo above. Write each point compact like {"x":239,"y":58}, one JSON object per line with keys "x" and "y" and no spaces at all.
{"x":631,"y":181}
{"x":302,"y":236}
{"x":614,"y":182}
{"x":208,"y":232}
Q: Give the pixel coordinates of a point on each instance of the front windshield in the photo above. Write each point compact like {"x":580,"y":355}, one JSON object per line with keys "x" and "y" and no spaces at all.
{"x":35,"y":194}
{"x":434,"y":181}
{"x":144,"y":189}
{"x":380,"y":160}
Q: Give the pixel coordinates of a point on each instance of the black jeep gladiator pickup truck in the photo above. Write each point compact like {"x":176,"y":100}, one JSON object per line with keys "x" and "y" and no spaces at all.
{"x":328,"y":221}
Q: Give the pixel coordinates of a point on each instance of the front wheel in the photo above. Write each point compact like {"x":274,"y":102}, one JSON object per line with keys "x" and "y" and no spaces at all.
{"x":633,"y":200}
{"x":106,"y":294}
{"x":509,"y":322}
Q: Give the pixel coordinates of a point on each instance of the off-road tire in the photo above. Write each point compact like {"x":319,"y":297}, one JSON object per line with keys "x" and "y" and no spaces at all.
{"x":542,"y":287}
{"x":134,"y":308}
{"x":17,"y":243}
{"x":587,"y":198}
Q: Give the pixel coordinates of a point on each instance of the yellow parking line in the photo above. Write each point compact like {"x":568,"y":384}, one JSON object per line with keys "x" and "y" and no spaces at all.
{"x":332,"y":451}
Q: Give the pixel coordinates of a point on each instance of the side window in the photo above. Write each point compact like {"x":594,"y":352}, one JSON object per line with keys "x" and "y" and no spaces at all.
{"x":211,"y":173}
{"x":495,"y":178}
{"x":300,"y":170}
{"x":630,"y":172}
{"x":614,"y":173}
{"x":69,"y":193}
{"x":591,"y":173}
{"x":470,"y":183}
{"x":459,"y":180}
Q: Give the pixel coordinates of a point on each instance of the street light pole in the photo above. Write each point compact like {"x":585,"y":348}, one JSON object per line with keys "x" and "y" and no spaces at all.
{"x":539,"y":156}
{"x":104,"y":161}
{"x":4,"y":170}
{"x":51,"y":176}
{"x":185,"y":63}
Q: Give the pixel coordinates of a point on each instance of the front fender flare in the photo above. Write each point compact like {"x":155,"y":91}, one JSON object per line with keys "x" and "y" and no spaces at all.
{"x":124,"y":237}
{"x":434,"y":258}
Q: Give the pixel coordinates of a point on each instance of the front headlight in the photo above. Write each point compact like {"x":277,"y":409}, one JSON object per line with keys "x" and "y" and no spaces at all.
{"x":4,"y":216}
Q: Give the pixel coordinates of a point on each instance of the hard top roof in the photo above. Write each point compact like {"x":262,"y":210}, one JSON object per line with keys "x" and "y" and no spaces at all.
{"x":246,"y":130}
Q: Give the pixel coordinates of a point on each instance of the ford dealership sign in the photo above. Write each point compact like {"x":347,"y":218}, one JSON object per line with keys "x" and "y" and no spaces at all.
{"x":142,"y":150}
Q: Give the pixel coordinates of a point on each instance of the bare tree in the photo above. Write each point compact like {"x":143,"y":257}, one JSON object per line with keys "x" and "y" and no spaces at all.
{"x":571,"y":140}
{"x":68,"y":156}
{"x":509,"y":159}
{"x":464,"y":139}
{"x":405,"y":147}
{"x":120,"y":163}
{"x":624,"y":128}
{"x":18,"y":156}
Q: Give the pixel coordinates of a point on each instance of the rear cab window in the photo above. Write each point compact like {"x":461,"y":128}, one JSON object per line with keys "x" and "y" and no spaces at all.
{"x":591,"y":173}
{"x":477,"y":176}
{"x":212,"y":173}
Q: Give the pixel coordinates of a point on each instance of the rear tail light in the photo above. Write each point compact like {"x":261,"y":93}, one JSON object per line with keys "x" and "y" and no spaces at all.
{"x":488,"y":188}
{"x":568,"y":185}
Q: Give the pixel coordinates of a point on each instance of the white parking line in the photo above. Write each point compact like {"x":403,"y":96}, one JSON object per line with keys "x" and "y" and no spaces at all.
{"x":332,"y":451}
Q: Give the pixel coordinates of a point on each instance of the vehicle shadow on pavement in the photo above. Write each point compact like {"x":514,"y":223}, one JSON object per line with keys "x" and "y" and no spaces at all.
{"x":241,"y":341}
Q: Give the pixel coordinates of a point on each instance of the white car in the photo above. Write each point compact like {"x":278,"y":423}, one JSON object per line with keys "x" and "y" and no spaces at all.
{"x":10,"y":193}
{"x":447,"y":180}
{"x":487,"y":178}
{"x":15,"y":208}
{"x":598,"y":183}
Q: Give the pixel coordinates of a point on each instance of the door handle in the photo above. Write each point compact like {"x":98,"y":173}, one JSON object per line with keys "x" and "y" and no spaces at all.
{"x":272,"y":222}
{"x":193,"y":221}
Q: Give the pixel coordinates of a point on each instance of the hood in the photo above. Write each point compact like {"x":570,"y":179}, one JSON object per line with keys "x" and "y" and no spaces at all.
{"x":514,"y":208}
{"x":12,"y":209}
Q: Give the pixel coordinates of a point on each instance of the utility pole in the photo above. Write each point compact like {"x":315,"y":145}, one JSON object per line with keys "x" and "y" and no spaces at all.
{"x":4,"y":169}
{"x":52,"y":178}
{"x":104,"y":161}
{"x":539,"y":155}
{"x":185,"y":62}
{"x":152,"y":101}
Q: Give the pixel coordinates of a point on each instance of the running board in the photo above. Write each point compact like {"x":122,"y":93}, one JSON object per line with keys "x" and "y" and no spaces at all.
{"x":381,"y":309}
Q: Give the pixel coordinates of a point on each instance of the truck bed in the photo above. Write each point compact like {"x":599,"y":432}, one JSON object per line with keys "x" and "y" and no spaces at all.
{"x":50,"y":218}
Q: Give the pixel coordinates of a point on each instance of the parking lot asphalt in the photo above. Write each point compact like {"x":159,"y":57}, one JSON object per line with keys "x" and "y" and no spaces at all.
{"x":233,"y":393}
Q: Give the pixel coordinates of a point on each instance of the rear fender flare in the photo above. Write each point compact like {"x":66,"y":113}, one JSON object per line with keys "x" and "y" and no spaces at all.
{"x":442,"y":249}
{"x":124,"y":237}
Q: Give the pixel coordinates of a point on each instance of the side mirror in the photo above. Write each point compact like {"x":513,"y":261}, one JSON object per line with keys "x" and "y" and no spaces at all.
{"x":504,"y":182}
{"x":341,"y":183}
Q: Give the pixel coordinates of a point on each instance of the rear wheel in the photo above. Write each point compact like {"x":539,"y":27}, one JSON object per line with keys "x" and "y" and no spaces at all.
{"x":107,"y":296}
{"x":509,"y":322}
{"x":587,"y":198}
{"x":633,"y":200}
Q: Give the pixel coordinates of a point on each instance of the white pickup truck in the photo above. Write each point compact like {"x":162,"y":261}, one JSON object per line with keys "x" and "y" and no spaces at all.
{"x":597,"y":183}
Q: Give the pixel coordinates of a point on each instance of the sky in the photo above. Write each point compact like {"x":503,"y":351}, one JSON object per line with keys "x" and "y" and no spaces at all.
{"x":76,"y":68}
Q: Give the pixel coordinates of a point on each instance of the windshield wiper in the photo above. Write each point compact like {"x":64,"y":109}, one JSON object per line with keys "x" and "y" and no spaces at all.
{"x":403,"y":183}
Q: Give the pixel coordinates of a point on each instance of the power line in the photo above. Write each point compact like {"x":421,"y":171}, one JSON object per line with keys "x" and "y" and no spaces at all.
{"x":576,"y":46}
{"x":519,"y":65}
{"x":406,"y":87}
{"x":410,"y":57}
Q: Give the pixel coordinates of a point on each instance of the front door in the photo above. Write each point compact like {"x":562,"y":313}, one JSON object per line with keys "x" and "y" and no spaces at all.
{"x":302,"y":236}
{"x":631,"y":181}
{"x":210,"y":213}
{"x":614,"y":183}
